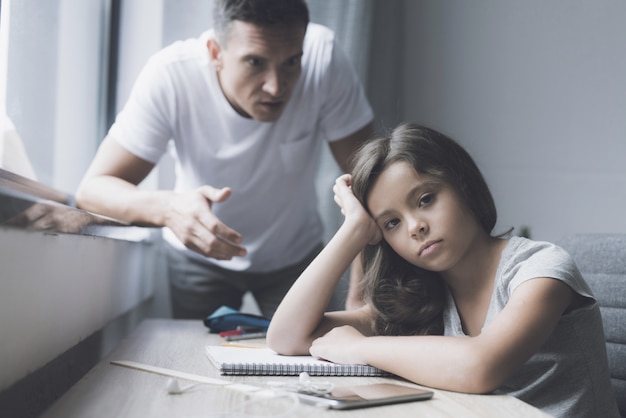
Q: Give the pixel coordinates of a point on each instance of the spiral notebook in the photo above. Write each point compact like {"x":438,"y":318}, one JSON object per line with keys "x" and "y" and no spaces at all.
{"x":263,"y":361}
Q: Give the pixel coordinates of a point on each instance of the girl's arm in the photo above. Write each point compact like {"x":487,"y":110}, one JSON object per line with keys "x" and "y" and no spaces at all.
{"x":301,"y":316}
{"x":477,"y":364}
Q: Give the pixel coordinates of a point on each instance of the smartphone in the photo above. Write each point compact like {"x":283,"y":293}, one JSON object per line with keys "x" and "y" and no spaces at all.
{"x":362,"y":396}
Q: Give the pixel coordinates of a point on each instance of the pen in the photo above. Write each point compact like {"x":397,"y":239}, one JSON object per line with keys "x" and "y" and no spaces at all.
{"x":231,"y":332}
{"x":246,"y":336}
{"x":248,"y":328}
{"x":242,"y":329}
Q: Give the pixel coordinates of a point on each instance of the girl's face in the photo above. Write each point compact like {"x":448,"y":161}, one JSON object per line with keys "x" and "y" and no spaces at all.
{"x":422,"y":219}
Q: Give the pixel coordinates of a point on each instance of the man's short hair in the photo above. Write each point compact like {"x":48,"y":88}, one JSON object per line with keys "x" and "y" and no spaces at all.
{"x":259,"y":12}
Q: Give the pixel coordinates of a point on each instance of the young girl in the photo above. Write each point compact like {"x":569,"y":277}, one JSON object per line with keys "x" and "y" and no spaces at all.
{"x":448,"y":305}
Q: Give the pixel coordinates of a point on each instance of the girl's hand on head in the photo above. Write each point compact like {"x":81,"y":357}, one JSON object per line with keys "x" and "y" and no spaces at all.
{"x":353,"y":211}
{"x":339,"y":345}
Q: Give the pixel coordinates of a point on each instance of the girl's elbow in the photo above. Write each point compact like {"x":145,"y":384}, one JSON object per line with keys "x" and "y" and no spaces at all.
{"x":482,"y":384}
{"x":480,"y":377}
{"x":463,"y":376}
{"x":273,"y":341}
{"x":284,"y":345}
{"x":276,"y":345}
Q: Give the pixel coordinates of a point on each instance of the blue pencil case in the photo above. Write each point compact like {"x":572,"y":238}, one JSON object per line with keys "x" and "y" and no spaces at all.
{"x":226,"y":318}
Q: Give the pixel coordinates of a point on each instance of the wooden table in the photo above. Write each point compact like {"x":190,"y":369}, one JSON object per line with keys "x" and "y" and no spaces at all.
{"x":112,"y":391}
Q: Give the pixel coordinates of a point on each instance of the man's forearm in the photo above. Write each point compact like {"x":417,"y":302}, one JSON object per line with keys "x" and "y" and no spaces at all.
{"x":121,"y":200}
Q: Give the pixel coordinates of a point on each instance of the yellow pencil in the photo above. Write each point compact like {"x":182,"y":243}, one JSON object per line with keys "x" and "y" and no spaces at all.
{"x":243,"y":345}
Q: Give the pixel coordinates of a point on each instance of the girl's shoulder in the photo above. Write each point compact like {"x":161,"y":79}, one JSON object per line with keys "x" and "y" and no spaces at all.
{"x":524,"y":259}
{"x":524,"y":250}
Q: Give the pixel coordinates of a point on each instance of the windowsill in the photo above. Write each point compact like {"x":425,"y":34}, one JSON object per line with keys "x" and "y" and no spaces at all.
{"x":27,"y":204}
{"x":22,"y":184}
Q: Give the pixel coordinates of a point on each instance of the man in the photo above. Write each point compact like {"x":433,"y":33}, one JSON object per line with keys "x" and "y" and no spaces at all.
{"x":247,"y":107}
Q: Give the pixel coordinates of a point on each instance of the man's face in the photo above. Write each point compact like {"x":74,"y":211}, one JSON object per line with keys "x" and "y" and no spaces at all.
{"x":258,"y":67}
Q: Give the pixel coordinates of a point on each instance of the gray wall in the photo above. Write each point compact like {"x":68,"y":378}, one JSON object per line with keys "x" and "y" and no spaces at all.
{"x":536,"y":91}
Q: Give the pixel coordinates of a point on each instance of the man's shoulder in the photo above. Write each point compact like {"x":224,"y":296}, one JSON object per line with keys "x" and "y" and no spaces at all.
{"x":316,"y":32}
{"x":318,"y":47}
{"x":181,"y":51}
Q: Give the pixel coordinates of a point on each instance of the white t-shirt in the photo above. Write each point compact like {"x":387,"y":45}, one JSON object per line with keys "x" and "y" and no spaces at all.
{"x":270,"y":166}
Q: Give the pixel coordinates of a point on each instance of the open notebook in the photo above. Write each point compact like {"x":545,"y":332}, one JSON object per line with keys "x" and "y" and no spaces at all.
{"x":263,"y":361}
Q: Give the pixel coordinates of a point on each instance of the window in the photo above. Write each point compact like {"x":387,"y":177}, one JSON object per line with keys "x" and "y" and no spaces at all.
{"x":55,"y":68}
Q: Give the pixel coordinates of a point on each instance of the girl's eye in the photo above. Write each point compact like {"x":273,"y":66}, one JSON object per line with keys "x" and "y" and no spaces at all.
{"x":426,"y":199}
{"x":390,"y":224}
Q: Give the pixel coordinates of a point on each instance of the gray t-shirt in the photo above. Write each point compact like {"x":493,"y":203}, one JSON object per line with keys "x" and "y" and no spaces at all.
{"x":569,"y":375}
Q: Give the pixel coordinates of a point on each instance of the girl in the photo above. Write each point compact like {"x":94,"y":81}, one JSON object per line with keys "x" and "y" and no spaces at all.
{"x":448,"y":305}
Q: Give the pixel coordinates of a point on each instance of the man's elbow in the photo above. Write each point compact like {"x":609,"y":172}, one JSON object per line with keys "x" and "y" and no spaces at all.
{"x":81,"y":197}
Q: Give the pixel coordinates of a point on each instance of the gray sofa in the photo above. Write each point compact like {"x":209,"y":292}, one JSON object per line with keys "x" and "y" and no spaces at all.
{"x":601,"y":259}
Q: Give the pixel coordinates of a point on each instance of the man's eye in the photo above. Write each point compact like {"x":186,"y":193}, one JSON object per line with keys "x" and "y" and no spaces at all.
{"x":293,"y":62}
{"x":254,"y":62}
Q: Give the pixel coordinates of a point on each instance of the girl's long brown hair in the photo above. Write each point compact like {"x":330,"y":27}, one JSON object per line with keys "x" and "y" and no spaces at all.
{"x":409,"y":300}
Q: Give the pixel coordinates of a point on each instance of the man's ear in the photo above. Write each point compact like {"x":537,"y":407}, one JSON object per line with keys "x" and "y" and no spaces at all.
{"x":215,"y":53}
